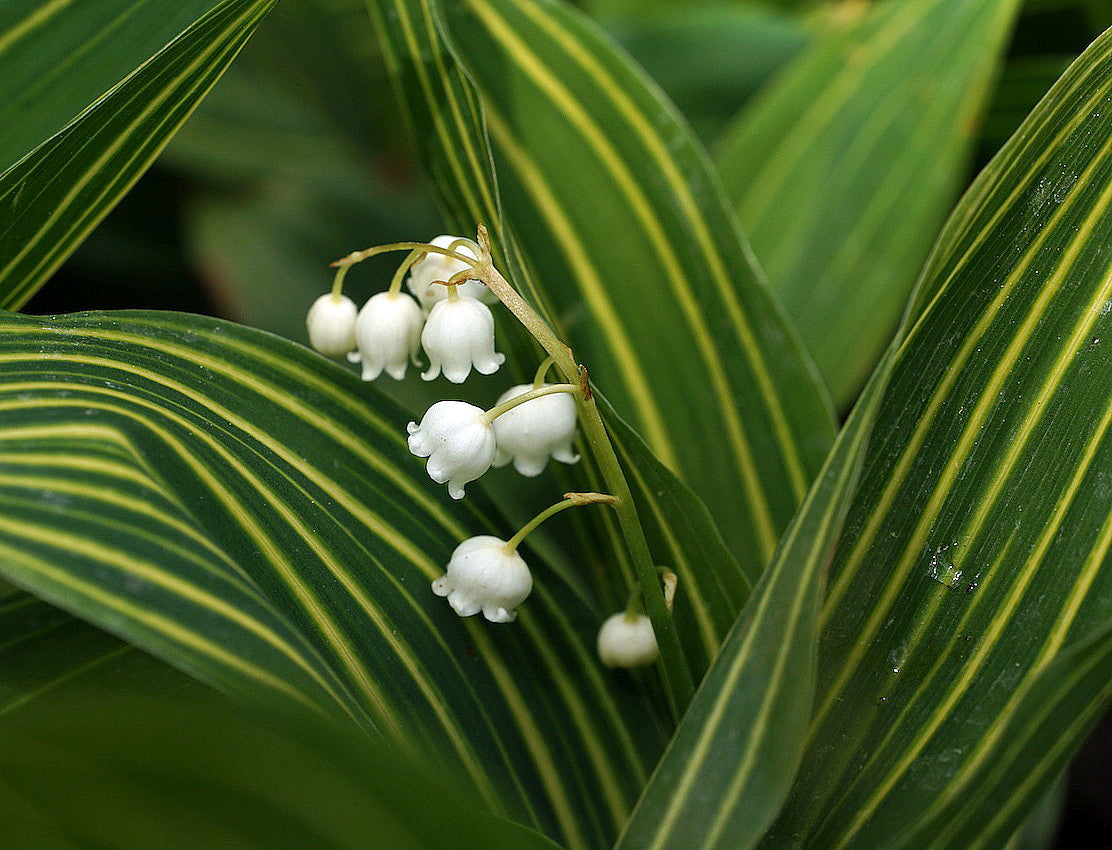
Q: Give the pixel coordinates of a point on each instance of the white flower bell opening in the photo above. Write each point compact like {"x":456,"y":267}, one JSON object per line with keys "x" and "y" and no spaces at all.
{"x":459,"y":334}
{"x":388,"y":334}
{"x":331,"y":324}
{"x":483,"y":576}
{"x":458,"y":442}
{"x":627,"y":640}
{"x":439,"y":267}
{"x":535,"y":430}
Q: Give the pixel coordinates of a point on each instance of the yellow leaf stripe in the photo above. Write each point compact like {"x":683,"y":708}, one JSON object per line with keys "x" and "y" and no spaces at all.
{"x":259,"y":381}
{"x":568,"y":105}
{"x":916,"y":540}
{"x":159,"y":112}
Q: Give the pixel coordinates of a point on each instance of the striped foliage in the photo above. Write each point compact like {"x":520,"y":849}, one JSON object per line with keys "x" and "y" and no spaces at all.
{"x":939,"y":665}
{"x":974,"y":562}
{"x":843,"y":171}
{"x":82,"y":714}
{"x":249,"y":512}
{"x":630,"y":245}
{"x":142,"y":68}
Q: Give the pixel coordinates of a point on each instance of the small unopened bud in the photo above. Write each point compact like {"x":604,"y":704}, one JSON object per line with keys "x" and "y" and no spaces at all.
{"x":627,"y":640}
{"x":331,"y":323}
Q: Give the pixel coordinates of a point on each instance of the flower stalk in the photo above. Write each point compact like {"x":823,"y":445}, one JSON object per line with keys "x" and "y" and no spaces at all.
{"x":679,"y":685}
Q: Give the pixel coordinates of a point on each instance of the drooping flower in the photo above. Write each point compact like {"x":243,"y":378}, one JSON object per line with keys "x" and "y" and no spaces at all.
{"x":439,"y":267}
{"x":484,"y":576}
{"x":331,"y":323}
{"x":627,"y":640}
{"x":535,"y":430}
{"x":458,"y":442}
{"x":388,"y":334}
{"x":459,"y":334}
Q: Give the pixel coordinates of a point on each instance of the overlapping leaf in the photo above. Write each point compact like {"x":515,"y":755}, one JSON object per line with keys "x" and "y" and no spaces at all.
{"x":94,"y":138}
{"x":619,"y":221}
{"x":83,"y":715}
{"x":843,"y":171}
{"x":249,"y":512}
{"x":975,"y":560}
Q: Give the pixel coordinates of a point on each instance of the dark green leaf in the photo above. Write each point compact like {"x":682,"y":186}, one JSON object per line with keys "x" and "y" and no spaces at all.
{"x":249,"y":512}
{"x":54,"y":194}
{"x":620,"y":217}
{"x":975,"y":557}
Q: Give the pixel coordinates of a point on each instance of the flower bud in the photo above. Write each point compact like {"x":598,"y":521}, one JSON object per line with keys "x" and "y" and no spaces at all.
{"x":458,"y":442}
{"x":535,"y":430}
{"x":482,"y":575}
{"x":388,"y":333}
{"x":439,"y":267}
{"x":459,"y":334}
{"x":331,"y":323}
{"x":627,"y":640}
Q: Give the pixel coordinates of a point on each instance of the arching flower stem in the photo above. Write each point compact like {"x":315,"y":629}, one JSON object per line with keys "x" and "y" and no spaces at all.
{"x":542,"y":370}
{"x":399,"y":275}
{"x":678,"y":682}
{"x":570,"y":500}
{"x":510,"y":404}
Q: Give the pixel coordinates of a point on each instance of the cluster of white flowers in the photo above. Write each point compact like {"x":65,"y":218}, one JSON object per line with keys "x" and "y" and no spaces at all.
{"x":448,"y":315}
{"x":456,"y":328}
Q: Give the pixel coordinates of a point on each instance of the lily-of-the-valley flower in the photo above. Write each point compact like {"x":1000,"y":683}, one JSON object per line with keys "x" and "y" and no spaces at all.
{"x":627,"y":640}
{"x":459,"y":334}
{"x":458,"y":441}
{"x":485,"y":574}
{"x":433,"y":267}
{"x":331,"y":324}
{"x":535,"y":430}
{"x":388,"y":334}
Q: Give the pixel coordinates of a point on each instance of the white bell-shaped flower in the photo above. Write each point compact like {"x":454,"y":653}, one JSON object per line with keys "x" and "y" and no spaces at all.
{"x":627,"y":640}
{"x":439,"y":267}
{"x":331,"y":323}
{"x":459,"y":334}
{"x":535,"y":430}
{"x":388,"y":334}
{"x":458,"y":442}
{"x":483,"y":576}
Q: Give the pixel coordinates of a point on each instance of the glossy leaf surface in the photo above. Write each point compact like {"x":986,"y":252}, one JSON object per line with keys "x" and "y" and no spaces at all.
{"x":975,"y":555}
{"x":250,"y":513}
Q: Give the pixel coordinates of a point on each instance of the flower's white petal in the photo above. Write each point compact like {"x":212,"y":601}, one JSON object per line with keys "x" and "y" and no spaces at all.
{"x":331,"y":325}
{"x":459,"y":444}
{"x":481,"y":575}
{"x":537,"y":429}
{"x":386,"y":331}
{"x":627,"y":641}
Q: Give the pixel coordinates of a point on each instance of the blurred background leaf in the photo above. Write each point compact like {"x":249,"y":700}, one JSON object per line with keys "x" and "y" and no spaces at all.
{"x":102,"y":745}
{"x":844,"y":168}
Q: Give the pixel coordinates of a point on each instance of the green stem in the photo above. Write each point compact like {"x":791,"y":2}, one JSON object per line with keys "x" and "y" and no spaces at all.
{"x":677,"y":676}
{"x":510,"y":403}
{"x":399,"y":275}
{"x":359,"y":256}
{"x":542,"y":370}
{"x":570,"y":500}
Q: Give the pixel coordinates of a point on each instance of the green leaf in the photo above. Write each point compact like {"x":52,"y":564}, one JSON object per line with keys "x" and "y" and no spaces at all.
{"x":632,"y":247}
{"x":844,"y":170}
{"x":249,"y":512}
{"x":91,"y":140}
{"x":685,"y":540}
{"x":118,"y":767}
{"x":730,"y":764}
{"x":708,"y":57}
{"x":974,"y":563}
